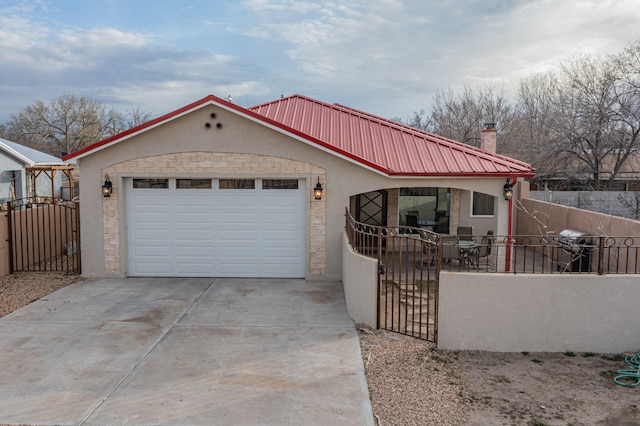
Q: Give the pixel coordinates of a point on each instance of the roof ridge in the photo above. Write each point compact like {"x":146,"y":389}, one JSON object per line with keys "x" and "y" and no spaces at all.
{"x":389,"y":144}
{"x":438,"y":138}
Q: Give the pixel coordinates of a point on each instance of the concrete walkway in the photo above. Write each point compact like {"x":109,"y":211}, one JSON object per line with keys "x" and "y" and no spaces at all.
{"x":184,"y":351}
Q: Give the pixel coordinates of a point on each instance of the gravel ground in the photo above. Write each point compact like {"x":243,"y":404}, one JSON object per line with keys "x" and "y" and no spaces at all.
{"x":410,"y":381}
{"x":20,"y":289}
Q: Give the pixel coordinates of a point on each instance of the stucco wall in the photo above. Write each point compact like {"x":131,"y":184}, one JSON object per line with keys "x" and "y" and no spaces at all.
{"x":360,"y":285}
{"x":513,"y":313}
{"x":200,"y":150}
{"x":541,"y":217}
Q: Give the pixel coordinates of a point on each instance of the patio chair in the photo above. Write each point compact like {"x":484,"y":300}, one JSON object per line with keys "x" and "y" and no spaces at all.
{"x":450,"y":249}
{"x":429,"y":255}
{"x":465,"y":233}
{"x":480,"y":251}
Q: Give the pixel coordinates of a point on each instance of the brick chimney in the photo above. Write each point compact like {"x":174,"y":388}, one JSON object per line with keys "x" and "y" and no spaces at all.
{"x":488,"y":138}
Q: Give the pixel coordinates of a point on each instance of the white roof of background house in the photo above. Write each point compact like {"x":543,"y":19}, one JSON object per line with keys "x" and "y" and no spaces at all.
{"x":30,"y":156}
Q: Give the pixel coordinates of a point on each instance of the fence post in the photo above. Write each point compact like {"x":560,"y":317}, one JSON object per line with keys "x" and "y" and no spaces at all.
{"x":10,"y":235}
{"x":601,"y":255}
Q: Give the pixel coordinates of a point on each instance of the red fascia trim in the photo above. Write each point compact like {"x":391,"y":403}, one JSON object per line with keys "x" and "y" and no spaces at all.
{"x":502,"y":174}
{"x":143,"y":126}
{"x":212,"y":98}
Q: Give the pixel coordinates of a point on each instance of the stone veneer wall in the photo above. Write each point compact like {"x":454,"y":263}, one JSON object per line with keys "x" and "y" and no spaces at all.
{"x":215,"y":163}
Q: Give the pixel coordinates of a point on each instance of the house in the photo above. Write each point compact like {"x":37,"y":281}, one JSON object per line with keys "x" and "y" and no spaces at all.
{"x":26,"y":172}
{"x":216,"y":190}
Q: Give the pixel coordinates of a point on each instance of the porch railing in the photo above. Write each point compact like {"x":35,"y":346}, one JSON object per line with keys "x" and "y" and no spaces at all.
{"x":531,"y":254}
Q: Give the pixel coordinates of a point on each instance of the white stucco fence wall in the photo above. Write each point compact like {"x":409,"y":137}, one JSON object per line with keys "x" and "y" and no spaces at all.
{"x":539,"y":313}
{"x":359,"y":279}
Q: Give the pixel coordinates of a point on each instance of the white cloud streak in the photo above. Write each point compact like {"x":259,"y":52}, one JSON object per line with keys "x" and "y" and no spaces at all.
{"x":387,"y":57}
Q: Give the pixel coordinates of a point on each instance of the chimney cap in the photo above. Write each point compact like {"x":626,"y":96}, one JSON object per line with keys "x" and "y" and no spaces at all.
{"x":490,"y":125}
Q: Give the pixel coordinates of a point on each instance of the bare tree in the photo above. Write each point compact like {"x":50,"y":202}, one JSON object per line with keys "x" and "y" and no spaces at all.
{"x":631,"y":202}
{"x":418,"y":119}
{"x":531,"y":127}
{"x":596,"y":123}
{"x":462,"y":116}
{"x":67,"y":124}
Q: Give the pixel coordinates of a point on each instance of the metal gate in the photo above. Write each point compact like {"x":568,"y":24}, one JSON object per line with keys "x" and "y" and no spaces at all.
{"x":408,"y":274}
{"x":409,"y":269}
{"x":44,"y":235}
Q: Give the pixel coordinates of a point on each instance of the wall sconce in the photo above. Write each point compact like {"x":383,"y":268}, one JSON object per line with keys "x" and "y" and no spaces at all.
{"x":508,"y":190}
{"x":107,"y":187}
{"x":317,"y":191}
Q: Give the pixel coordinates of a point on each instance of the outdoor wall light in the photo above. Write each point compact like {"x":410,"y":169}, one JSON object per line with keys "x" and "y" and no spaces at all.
{"x":317,"y":191}
{"x":107,"y":187}
{"x":508,"y":191}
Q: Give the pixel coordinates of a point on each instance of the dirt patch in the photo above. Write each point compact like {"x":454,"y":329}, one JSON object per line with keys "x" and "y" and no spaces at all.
{"x":413,"y":382}
{"x":547,"y":388}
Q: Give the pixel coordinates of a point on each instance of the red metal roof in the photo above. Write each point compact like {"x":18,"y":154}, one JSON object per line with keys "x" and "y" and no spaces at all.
{"x":380,"y":144}
{"x":390,"y":147}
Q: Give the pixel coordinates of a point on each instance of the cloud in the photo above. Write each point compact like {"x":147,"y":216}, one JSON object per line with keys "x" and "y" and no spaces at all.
{"x":387,"y":57}
{"x":119,"y":67}
{"x":405,"y":51}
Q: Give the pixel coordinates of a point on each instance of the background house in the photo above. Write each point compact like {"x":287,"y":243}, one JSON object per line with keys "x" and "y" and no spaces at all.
{"x":26,"y":172}
{"x":214,"y":189}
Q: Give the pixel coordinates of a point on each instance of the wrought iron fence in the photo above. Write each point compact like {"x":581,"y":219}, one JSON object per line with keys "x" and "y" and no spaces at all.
{"x":43,"y":235}
{"x":407,"y":283}
{"x":532,"y":254}
{"x":410,"y":261}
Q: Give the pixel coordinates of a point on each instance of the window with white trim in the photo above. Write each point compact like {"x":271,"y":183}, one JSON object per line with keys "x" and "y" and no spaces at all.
{"x":482,"y":204}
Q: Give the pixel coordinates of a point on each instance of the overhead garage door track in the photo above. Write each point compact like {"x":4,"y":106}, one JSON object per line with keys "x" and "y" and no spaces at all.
{"x":184,"y":351}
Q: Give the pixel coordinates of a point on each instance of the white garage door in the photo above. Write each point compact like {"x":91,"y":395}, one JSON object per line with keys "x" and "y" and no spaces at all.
{"x":216,"y":227}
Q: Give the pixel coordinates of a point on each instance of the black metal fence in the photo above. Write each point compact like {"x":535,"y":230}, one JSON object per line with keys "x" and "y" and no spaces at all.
{"x":410,"y":261}
{"x":408,"y":269}
{"x":44,"y":235}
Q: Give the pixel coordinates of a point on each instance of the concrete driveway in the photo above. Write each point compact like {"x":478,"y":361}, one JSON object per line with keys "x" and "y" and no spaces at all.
{"x":184,"y":351}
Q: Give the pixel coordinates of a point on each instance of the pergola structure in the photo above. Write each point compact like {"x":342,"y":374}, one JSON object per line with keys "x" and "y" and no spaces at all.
{"x":50,"y":171}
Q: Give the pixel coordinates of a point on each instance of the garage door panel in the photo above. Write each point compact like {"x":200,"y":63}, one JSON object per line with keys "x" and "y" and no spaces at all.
{"x":194,"y":235}
{"x":239,"y":236}
{"x":238,"y":270}
{"x":194,"y":269}
{"x":216,"y":232}
{"x":194,"y":251}
{"x":282,"y":252}
{"x":152,"y":218}
{"x":150,"y":234}
{"x":237,"y":216}
{"x":152,"y":251}
{"x":153,"y":268}
{"x":187,"y":201}
{"x":149,"y":201}
{"x":280,"y":270}
{"x":194,"y":218}
{"x":238,"y":251}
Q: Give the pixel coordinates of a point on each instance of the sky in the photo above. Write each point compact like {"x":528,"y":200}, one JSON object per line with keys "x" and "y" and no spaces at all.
{"x":385,"y":57}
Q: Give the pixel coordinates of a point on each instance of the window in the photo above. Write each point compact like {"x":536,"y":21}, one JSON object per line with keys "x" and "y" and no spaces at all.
{"x":151,"y":183}
{"x":429,"y":206}
{"x":482,"y":204}
{"x":193,"y":183}
{"x":279,"y":183}
{"x":237,"y":183}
